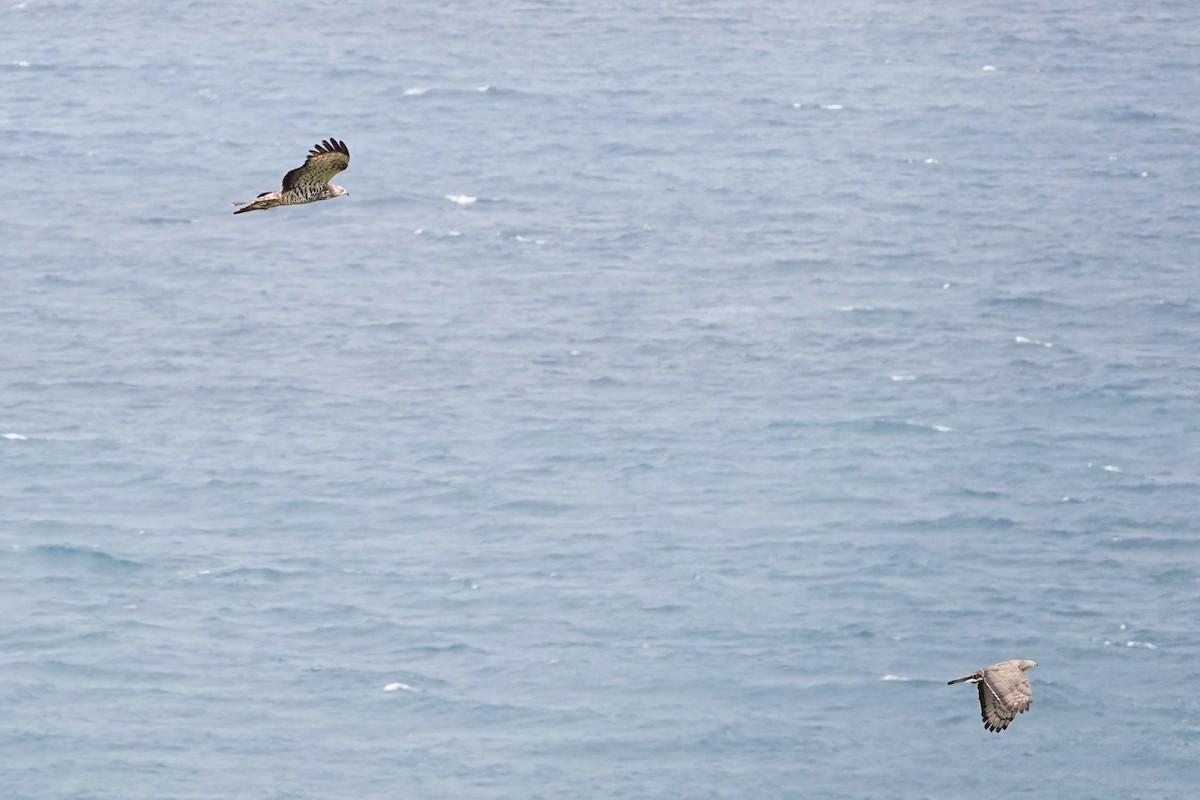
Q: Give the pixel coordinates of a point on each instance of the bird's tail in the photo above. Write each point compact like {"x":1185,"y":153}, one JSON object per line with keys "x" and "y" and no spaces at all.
{"x":249,"y":205}
{"x":264,"y":200}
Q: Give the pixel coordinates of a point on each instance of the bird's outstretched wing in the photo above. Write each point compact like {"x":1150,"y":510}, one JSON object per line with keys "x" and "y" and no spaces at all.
{"x":996,"y":715}
{"x":325,"y":160}
{"x":1010,"y":684}
{"x":1004,"y":692}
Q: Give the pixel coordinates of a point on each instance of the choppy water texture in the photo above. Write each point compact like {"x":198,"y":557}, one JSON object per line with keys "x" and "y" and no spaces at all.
{"x":684,"y":393}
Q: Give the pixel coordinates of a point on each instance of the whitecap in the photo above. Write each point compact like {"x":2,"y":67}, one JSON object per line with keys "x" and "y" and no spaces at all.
{"x":15,"y":437}
{"x":1111,"y":468}
{"x":1147,"y":645}
{"x":938,"y":428}
{"x":391,"y":687}
{"x":832,"y":106}
{"x":988,"y":68}
{"x":413,"y":91}
{"x":904,"y":378}
{"x":461,"y":199}
{"x":1027,"y":340}
{"x":894,"y":678}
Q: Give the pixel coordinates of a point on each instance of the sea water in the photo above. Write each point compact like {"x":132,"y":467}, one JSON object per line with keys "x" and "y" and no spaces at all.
{"x":684,"y":392}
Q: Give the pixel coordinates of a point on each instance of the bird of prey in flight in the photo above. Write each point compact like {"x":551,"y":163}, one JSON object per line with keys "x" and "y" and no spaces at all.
{"x":1003,"y":692}
{"x":308,"y":182}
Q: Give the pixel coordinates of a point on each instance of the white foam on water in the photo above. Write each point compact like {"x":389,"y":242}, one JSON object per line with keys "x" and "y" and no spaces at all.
{"x":391,"y":687}
{"x":1027,"y":340}
{"x":15,"y":437}
{"x":461,"y":199}
{"x":938,"y":428}
{"x":414,"y":91}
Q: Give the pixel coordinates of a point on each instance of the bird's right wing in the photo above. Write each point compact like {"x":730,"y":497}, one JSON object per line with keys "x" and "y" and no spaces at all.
{"x":1010,"y":684}
{"x":325,"y":160}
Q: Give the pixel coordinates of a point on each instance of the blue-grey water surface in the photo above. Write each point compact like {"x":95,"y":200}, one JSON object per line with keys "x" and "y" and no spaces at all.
{"x":683,"y":394}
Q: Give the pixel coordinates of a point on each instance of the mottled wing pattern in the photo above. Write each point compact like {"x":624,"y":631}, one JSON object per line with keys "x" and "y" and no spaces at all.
{"x":324,"y":161}
{"x":1004,"y":692}
{"x":996,"y":715}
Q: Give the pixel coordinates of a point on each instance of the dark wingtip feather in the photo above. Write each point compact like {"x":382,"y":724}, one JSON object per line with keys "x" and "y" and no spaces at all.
{"x":330,"y":145}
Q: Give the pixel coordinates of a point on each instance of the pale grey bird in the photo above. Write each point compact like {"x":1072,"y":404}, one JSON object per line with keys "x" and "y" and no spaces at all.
{"x":1003,"y":692}
{"x":308,"y":182}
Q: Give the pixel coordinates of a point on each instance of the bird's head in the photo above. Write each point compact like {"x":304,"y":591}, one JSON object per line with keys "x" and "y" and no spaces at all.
{"x":337,"y":191}
{"x":1026,"y":664}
